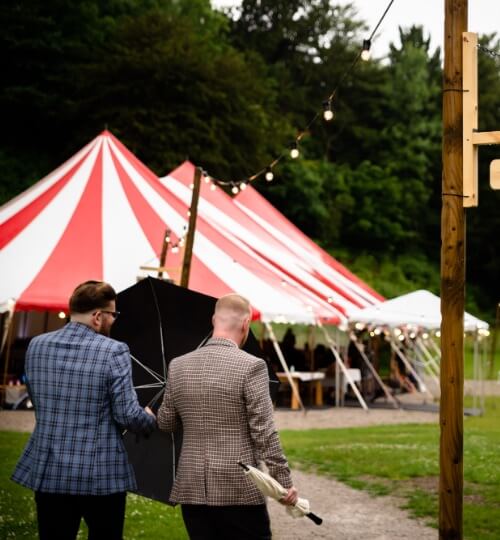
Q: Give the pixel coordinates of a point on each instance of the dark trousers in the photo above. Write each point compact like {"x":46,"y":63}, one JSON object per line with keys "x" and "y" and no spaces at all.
{"x":226,"y":522}
{"x":59,"y":515}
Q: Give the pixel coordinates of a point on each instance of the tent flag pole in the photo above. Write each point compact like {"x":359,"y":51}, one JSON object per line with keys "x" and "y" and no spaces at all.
{"x":284,"y":365}
{"x":421,"y":384}
{"x":428,"y":355}
{"x":351,"y":383}
{"x":389,"y":396}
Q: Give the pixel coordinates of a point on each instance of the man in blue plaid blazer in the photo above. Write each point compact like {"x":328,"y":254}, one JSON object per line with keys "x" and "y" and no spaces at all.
{"x":80,"y":382}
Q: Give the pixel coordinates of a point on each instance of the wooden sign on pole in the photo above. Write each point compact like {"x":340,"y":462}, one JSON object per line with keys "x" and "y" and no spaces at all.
{"x":193,"y":212}
{"x":452,"y":279}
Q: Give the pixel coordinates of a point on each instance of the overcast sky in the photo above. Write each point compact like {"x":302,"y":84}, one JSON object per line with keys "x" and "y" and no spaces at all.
{"x":484,"y":18}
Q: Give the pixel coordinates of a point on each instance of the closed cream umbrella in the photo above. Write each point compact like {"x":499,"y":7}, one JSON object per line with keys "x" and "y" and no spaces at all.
{"x":272,"y":488}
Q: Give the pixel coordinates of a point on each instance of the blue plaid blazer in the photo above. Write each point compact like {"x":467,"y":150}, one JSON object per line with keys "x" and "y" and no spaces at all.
{"x":81,"y":386}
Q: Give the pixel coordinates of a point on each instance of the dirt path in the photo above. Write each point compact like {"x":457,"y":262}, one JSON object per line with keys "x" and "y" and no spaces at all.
{"x":348,"y":514}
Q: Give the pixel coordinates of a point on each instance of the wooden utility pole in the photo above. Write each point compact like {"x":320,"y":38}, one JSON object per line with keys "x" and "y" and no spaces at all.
{"x":193,"y":212}
{"x":452,"y":279}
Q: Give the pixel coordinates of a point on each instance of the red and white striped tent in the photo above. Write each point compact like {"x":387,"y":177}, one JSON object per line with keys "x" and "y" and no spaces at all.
{"x":251,"y":222}
{"x":103,"y":215}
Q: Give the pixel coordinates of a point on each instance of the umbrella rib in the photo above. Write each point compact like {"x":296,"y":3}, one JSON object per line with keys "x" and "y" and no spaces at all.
{"x":152,"y":385}
{"x":157,"y":376}
{"x":161,"y":331}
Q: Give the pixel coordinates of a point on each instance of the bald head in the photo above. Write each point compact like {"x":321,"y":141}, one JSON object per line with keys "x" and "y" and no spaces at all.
{"x":232,"y":317}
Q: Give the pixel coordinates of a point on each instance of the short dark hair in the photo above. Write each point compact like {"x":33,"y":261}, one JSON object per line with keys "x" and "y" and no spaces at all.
{"x":91,"y":295}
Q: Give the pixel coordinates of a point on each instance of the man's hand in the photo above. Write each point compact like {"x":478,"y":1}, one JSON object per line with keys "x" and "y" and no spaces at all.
{"x":291,"y":498}
{"x":150,"y":412}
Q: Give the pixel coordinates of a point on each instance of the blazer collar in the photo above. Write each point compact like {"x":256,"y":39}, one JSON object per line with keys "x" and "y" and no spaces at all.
{"x":78,"y":328}
{"x":221,"y":342}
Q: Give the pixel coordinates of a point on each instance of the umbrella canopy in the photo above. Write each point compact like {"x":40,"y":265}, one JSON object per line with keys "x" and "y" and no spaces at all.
{"x":160,"y":321}
{"x":419,"y":308}
{"x":263,"y":232}
{"x":272,"y":488}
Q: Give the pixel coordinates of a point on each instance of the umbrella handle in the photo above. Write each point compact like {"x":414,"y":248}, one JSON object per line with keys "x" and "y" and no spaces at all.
{"x":315,"y":518}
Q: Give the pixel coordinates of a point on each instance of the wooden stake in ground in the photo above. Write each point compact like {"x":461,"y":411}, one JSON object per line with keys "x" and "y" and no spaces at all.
{"x":452,"y":279}
{"x":193,"y":212}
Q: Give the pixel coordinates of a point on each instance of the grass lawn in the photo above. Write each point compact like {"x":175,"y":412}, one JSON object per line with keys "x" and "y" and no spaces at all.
{"x":145,"y":519}
{"x":403,"y":460}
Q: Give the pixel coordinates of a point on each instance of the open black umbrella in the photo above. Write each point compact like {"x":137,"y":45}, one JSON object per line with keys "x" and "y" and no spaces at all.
{"x":159,"y":321}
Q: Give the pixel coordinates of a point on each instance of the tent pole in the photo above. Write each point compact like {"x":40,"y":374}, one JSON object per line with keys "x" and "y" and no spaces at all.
{"x":428,"y":362}
{"x":432,"y":361}
{"x":389,"y":396}
{"x":436,"y":349}
{"x":10,"y":332}
{"x":164,"y":250}
{"x":341,"y":364}
{"x":193,"y":212}
{"x":476,"y":377}
{"x":405,"y":361}
{"x":282,"y":360}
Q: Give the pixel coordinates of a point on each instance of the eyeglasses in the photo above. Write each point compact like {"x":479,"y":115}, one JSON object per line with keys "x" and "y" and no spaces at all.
{"x":113,"y":314}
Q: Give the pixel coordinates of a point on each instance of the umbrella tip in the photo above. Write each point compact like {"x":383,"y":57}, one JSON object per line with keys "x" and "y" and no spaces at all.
{"x":243,"y":466}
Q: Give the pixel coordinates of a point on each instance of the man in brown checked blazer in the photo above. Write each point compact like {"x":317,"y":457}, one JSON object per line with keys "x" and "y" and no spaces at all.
{"x":220,"y":395}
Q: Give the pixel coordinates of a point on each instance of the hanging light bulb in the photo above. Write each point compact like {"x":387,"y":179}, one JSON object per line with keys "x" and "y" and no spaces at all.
{"x":213,"y":187}
{"x":61,"y":315}
{"x":191,"y":186}
{"x":294,"y":150}
{"x":235,"y":190}
{"x":365,"y":53}
{"x":206,"y":177}
{"x":243,"y":186}
{"x":327,"y":110}
{"x":269,"y":174}
{"x":175,"y":249}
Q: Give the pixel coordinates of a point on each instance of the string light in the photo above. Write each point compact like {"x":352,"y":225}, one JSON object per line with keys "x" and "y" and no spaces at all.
{"x":61,"y":315}
{"x":365,"y":53}
{"x":327,"y":110}
{"x":206,"y":177}
{"x":328,"y":115}
{"x":243,"y":186}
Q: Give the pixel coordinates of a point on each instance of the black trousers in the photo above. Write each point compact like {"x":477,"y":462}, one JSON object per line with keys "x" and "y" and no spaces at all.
{"x":59,"y":515}
{"x":226,"y":522}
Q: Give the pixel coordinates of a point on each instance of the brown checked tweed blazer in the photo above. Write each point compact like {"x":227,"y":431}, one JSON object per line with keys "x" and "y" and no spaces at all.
{"x":220,"y":394}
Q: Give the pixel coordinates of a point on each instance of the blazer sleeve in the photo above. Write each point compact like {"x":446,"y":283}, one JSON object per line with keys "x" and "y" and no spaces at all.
{"x":168,"y":419}
{"x":125,"y":406}
{"x":261,"y":423}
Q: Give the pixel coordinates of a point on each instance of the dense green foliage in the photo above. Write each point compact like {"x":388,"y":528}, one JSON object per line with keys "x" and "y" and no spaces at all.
{"x":230,"y":91}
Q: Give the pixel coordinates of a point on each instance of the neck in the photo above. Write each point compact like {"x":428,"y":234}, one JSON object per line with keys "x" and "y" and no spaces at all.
{"x":231,"y":336}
